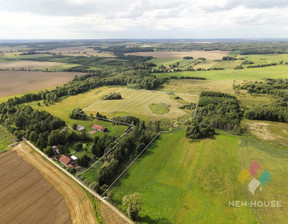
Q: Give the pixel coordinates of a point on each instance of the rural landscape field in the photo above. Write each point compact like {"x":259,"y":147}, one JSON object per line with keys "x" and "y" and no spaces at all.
{"x":164,"y":142}
{"x":143,"y":112}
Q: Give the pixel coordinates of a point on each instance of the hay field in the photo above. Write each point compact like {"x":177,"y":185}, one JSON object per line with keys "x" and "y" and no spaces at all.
{"x":28,"y":64}
{"x":136,"y":102}
{"x":16,"y":82}
{"x":24,"y":191}
{"x":215,"y":55}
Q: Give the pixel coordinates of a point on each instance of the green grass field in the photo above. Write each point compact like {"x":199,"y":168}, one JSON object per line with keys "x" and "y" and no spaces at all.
{"x":275,"y":160}
{"x":184,"y":182}
{"x":161,"y":108}
{"x":165,"y":61}
{"x":6,"y":138}
{"x":267,"y":58}
{"x":280,"y":71}
{"x":59,"y":68}
{"x":63,"y":108}
{"x":136,"y":102}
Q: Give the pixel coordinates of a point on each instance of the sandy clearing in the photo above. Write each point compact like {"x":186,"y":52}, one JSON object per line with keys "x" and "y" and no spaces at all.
{"x":76,"y":199}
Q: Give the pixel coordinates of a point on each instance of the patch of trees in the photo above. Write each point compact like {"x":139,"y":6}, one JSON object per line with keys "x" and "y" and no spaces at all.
{"x":133,"y":203}
{"x":199,"y":129}
{"x":188,"y":57}
{"x":78,"y":114}
{"x":263,"y":65}
{"x":229,"y":58}
{"x":216,"y":111}
{"x":190,"y":106}
{"x":277,"y":111}
{"x":187,"y":77}
{"x":127,"y":149}
{"x":37,"y":126}
{"x":113,"y":96}
{"x":126,"y":119}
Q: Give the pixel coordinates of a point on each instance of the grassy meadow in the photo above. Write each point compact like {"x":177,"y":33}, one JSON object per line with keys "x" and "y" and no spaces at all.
{"x":137,"y":103}
{"x":280,"y":71}
{"x":6,"y":138}
{"x":63,"y":108}
{"x":187,"y":182}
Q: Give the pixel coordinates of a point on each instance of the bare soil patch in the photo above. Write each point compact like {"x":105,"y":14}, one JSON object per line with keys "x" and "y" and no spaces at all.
{"x":215,"y":55}
{"x":17,"y":82}
{"x":76,"y":199}
{"x":26,"y":196}
{"x":32,"y":65}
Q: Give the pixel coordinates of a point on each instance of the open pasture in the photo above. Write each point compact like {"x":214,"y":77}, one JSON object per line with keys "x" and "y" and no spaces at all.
{"x":280,"y":71}
{"x":215,"y":55}
{"x":24,"y":190}
{"x":187,"y":182}
{"x":137,"y":102}
{"x":16,"y":82}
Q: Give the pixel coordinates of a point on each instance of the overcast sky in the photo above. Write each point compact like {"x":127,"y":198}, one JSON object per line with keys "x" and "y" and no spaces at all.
{"x":98,"y":19}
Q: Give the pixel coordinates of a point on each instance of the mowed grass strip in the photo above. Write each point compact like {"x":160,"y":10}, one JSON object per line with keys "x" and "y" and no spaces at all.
{"x":184,"y":182}
{"x":136,"y":102}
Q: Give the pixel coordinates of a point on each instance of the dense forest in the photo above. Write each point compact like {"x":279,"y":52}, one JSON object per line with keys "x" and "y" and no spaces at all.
{"x":215,"y":111}
{"x":276,"y":111}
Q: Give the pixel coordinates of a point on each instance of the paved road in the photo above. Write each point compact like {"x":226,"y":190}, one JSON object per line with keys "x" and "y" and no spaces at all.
{"x":80,"y":183}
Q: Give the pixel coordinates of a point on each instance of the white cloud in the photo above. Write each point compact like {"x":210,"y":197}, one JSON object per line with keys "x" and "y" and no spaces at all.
{"x":142,"y":18}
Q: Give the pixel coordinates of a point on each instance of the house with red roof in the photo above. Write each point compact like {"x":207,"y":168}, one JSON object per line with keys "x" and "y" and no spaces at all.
{"x":97,"y":127}
{"x":65,"y":160}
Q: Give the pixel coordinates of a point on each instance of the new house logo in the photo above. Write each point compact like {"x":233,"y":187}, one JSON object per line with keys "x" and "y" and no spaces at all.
{"x":251,"y":177}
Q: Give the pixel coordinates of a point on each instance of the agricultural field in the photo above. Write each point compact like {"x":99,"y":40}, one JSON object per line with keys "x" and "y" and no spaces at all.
{"x":137,"y":103}
{"x":267,"y":59}
{"x":194,"y":86}
{"x":75,"y":197}
{"x":29,"y":65}
{"x":16,"y":82}
{"x":279,"y":71}
{"x":215,"y":55}
{"x":24,"y":191}
{"x":80,"y":51}
{"x":218,"y":64}
{"x":187,"y":182}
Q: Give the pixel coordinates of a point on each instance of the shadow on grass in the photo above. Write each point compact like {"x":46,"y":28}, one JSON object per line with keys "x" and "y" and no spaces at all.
{"x":148,"y":219}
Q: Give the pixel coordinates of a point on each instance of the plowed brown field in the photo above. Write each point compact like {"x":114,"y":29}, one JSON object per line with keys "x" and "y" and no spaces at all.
{"x":26,"y":196}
